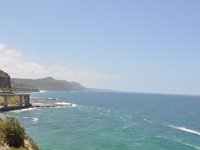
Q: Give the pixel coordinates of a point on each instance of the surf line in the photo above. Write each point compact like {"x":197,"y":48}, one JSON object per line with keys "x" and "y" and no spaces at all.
{"x":185,"y":129}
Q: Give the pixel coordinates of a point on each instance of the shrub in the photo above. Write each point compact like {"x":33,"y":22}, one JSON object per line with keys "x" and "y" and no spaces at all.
{"x":14,"y":133}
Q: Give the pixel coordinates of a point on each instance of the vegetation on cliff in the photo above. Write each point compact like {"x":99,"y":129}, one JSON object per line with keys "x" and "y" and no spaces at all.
{"x":13,"y":136}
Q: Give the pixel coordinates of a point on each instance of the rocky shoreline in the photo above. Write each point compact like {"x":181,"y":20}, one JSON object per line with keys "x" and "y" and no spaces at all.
{"x":52,"y":105}
{"x":38,"y":105}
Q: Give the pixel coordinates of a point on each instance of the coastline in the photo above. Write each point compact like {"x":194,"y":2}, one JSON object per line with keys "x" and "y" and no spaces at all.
{"x":52,"y":105}
{"x":38,"y":105}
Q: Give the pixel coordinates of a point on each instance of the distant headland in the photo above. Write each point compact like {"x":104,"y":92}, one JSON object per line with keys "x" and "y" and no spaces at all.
{"x":35,"y":85}
{"x":47,"y":84}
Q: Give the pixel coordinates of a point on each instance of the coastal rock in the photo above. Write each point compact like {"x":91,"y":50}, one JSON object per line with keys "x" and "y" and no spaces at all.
{"x":5,"y":84}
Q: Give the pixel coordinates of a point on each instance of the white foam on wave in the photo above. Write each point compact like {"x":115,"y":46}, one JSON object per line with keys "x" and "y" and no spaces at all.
{"x":35,"y":119}
{"x":42,"y":91}
{"x":23,"y":110}
{"x":25,"y":117}
{"x":74,"y":105}
{"x":63,"y":103}
{"x":196,"y":147}
{"x":148,"y":121}
{"x":126,"y":127}
{"x":66,"y":104}
{"x":185,"y":129}
{"x":180,"y":142}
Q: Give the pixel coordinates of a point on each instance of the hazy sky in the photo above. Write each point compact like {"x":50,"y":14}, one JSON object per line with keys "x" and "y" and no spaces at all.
{"x":126,"y":45}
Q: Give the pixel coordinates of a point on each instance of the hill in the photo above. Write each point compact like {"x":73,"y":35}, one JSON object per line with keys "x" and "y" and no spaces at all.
{"x":48,"y":83}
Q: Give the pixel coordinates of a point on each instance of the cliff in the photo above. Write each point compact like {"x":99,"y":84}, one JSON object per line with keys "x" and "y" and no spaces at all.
{"x":5,"y":83}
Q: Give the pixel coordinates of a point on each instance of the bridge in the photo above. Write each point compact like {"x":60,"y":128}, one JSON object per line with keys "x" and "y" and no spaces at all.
{"x":23,"y":101}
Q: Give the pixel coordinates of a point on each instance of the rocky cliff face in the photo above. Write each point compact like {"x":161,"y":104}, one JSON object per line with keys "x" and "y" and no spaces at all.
{"x":5,"y":84}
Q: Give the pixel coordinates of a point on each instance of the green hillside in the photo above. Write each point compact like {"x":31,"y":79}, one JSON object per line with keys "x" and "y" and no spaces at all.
{"x":48,"y":83}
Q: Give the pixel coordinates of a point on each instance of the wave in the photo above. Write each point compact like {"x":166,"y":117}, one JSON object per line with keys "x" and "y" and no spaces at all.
{"x":25,"y":117}
{"x":66,"y":104}
{"x":180,"y":142}
{"x":185,"y":129}
{"x":63,"y":103}
{"x":196,"y":147}
{"x":43,"y":98}
{"x":74,"y":105}
{"x":23,"y":110}
{"x":42,"y":91}
{"x":95,"y":110}
{"x":130,"y":125}
{"x":148,"y":121}
{"x":35,"y":119}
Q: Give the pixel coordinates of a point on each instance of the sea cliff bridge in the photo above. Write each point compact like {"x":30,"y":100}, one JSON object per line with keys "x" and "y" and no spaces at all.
{"x":12,"y":101}
{"x":20,"y":101}
{"x":8,"y":99}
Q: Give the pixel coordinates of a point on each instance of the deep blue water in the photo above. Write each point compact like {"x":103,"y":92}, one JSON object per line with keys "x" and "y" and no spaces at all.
{"x":115,"y":121}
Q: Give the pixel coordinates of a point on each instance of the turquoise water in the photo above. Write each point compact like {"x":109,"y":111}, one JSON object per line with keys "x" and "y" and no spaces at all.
{"x":115,"y":121}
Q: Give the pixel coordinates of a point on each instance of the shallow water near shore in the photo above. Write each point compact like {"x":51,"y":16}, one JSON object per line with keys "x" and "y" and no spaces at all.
{"x":115,"y":121}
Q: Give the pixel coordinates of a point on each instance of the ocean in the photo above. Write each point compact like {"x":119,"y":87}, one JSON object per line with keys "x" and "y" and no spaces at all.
{"x":114,"y":121}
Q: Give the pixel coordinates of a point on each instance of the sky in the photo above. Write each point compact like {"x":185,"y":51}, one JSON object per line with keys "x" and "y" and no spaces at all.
{"x":150,"y":46}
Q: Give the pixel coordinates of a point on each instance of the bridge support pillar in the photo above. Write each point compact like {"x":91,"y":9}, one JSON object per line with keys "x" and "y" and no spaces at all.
{"x":5,"y":101}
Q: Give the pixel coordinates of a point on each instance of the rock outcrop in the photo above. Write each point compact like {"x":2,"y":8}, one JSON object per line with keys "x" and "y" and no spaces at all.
{"x":5,"y":84}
